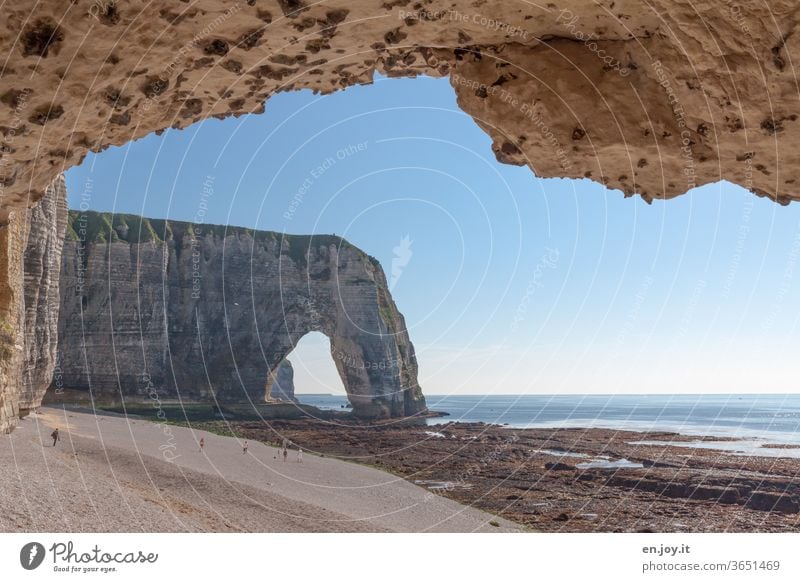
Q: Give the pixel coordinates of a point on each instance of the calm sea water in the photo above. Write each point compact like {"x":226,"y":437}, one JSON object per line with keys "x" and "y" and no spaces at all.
{"x":775,"y":417}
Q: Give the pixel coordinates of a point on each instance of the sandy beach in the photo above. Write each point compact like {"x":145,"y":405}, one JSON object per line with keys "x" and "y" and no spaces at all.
{"x":115,"y":474}
{"x":130,"y":474}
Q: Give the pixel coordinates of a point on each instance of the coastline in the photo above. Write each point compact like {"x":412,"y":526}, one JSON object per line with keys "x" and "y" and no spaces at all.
{"x":570,"y":479}
{"x":448,"y":476}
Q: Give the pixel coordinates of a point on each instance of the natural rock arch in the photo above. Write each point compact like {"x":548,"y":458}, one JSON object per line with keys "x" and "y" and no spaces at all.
{"x":650,"y":97}
{"x":202,"y":312}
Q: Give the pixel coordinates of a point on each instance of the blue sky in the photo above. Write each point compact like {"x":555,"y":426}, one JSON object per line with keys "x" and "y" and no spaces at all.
{"x":515,"y":284}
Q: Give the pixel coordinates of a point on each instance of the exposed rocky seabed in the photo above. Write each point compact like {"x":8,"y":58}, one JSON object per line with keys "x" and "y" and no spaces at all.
{"x":567,"y":480}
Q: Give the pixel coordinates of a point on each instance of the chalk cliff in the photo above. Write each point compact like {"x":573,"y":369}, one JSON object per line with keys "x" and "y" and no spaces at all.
{"x":42,"y":267}
{"x":30,"y":257}
{"x":178,"y":310}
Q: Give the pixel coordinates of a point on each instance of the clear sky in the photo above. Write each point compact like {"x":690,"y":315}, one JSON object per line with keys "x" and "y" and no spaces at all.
{"x":514,"y":284}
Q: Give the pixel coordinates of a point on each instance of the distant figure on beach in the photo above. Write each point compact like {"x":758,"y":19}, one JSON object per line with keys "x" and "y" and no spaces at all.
{"x":202,"y":444}
{"x":299,"y":455}
{"x":55,"y":436}
{"x":285,"y":454}
{"x":244,"y":448}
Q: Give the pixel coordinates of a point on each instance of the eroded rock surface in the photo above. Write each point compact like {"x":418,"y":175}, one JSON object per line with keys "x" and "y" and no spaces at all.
{"x":156,"y":309}
{"x":541,"y":477}
{"x":42,"y":267}
{"x":647,"y":97}
{"x":30,"y":262}
{"x":12,"y":318}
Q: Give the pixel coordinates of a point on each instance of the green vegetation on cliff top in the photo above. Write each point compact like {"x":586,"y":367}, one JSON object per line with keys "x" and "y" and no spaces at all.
{"x":105,"y":227}
{"x":91,"y":226}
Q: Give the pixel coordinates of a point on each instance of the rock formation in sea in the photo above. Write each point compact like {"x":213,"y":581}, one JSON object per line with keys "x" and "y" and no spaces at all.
{"x":282,"y":388}
{"x":166,"y":309}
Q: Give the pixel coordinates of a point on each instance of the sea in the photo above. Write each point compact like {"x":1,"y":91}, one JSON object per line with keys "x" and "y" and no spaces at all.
{"x":748,"y":420}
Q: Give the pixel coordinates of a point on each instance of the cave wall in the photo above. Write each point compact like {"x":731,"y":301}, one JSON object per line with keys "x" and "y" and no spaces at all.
{"x":646,"y":97}
{"x":42,"y":267}
{"x":151,"y":308}
{"x":30,"y":263}
{"x":12,"y":318}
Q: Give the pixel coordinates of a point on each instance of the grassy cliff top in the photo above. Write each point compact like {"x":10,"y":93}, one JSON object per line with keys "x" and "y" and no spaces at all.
{"x":93,"y":227}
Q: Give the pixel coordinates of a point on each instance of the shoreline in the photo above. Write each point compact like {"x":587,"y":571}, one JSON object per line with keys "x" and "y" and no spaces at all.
{"x":569,"y":480}
{"x":733,"y":433}
{"x":766,"y":439}
{"x":543,"y":479}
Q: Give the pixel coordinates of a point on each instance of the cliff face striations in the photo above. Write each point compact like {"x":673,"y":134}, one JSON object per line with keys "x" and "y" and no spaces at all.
{"x":177,"y":310}
{"x":42,"y":267}
{"x":30,"y":260}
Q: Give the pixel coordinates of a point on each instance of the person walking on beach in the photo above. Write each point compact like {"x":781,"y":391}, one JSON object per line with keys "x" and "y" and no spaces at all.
{"x":202,"y":443}
{"x":55,"y":436}
{"x":285,"y":453}
{"x":244,"y":448}
{"x":299,"y":455}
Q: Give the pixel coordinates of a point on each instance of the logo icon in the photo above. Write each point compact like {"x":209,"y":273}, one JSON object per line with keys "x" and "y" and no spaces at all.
{"x":31,"y":555}
{"x":402,"y":256}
